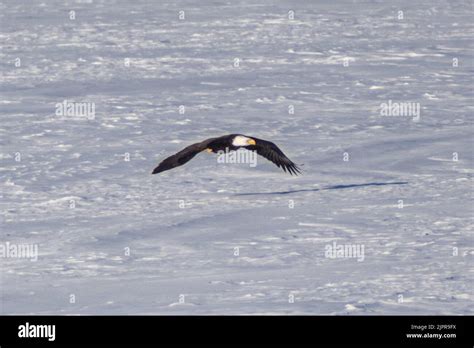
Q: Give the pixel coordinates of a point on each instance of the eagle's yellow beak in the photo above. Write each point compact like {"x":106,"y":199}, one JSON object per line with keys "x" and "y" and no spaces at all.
{"x":251,"y":142}
{"x":208,"y":150}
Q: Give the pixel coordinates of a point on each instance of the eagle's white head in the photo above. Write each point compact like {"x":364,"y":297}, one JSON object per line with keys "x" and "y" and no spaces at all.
{"x":240,"y":140}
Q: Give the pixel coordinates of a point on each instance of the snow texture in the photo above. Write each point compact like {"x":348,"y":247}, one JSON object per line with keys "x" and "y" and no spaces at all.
{"x":213,"y":238}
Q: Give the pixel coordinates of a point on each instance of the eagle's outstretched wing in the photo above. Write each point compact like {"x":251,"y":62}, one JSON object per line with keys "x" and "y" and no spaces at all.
{"x":272,"y":153}
{"x":182,"y":157}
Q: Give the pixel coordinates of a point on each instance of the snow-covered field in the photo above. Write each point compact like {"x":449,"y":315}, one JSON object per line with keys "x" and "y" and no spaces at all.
{"x":210,"y":238}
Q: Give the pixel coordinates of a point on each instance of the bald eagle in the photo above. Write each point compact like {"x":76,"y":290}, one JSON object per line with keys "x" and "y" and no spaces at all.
{"x":231,"y":142}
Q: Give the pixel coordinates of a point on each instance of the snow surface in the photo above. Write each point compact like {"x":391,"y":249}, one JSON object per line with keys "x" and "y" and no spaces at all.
{"x":183,"y":227}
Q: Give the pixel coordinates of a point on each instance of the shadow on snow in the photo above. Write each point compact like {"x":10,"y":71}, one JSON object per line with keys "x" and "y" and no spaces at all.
{"x":336,"y":187}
